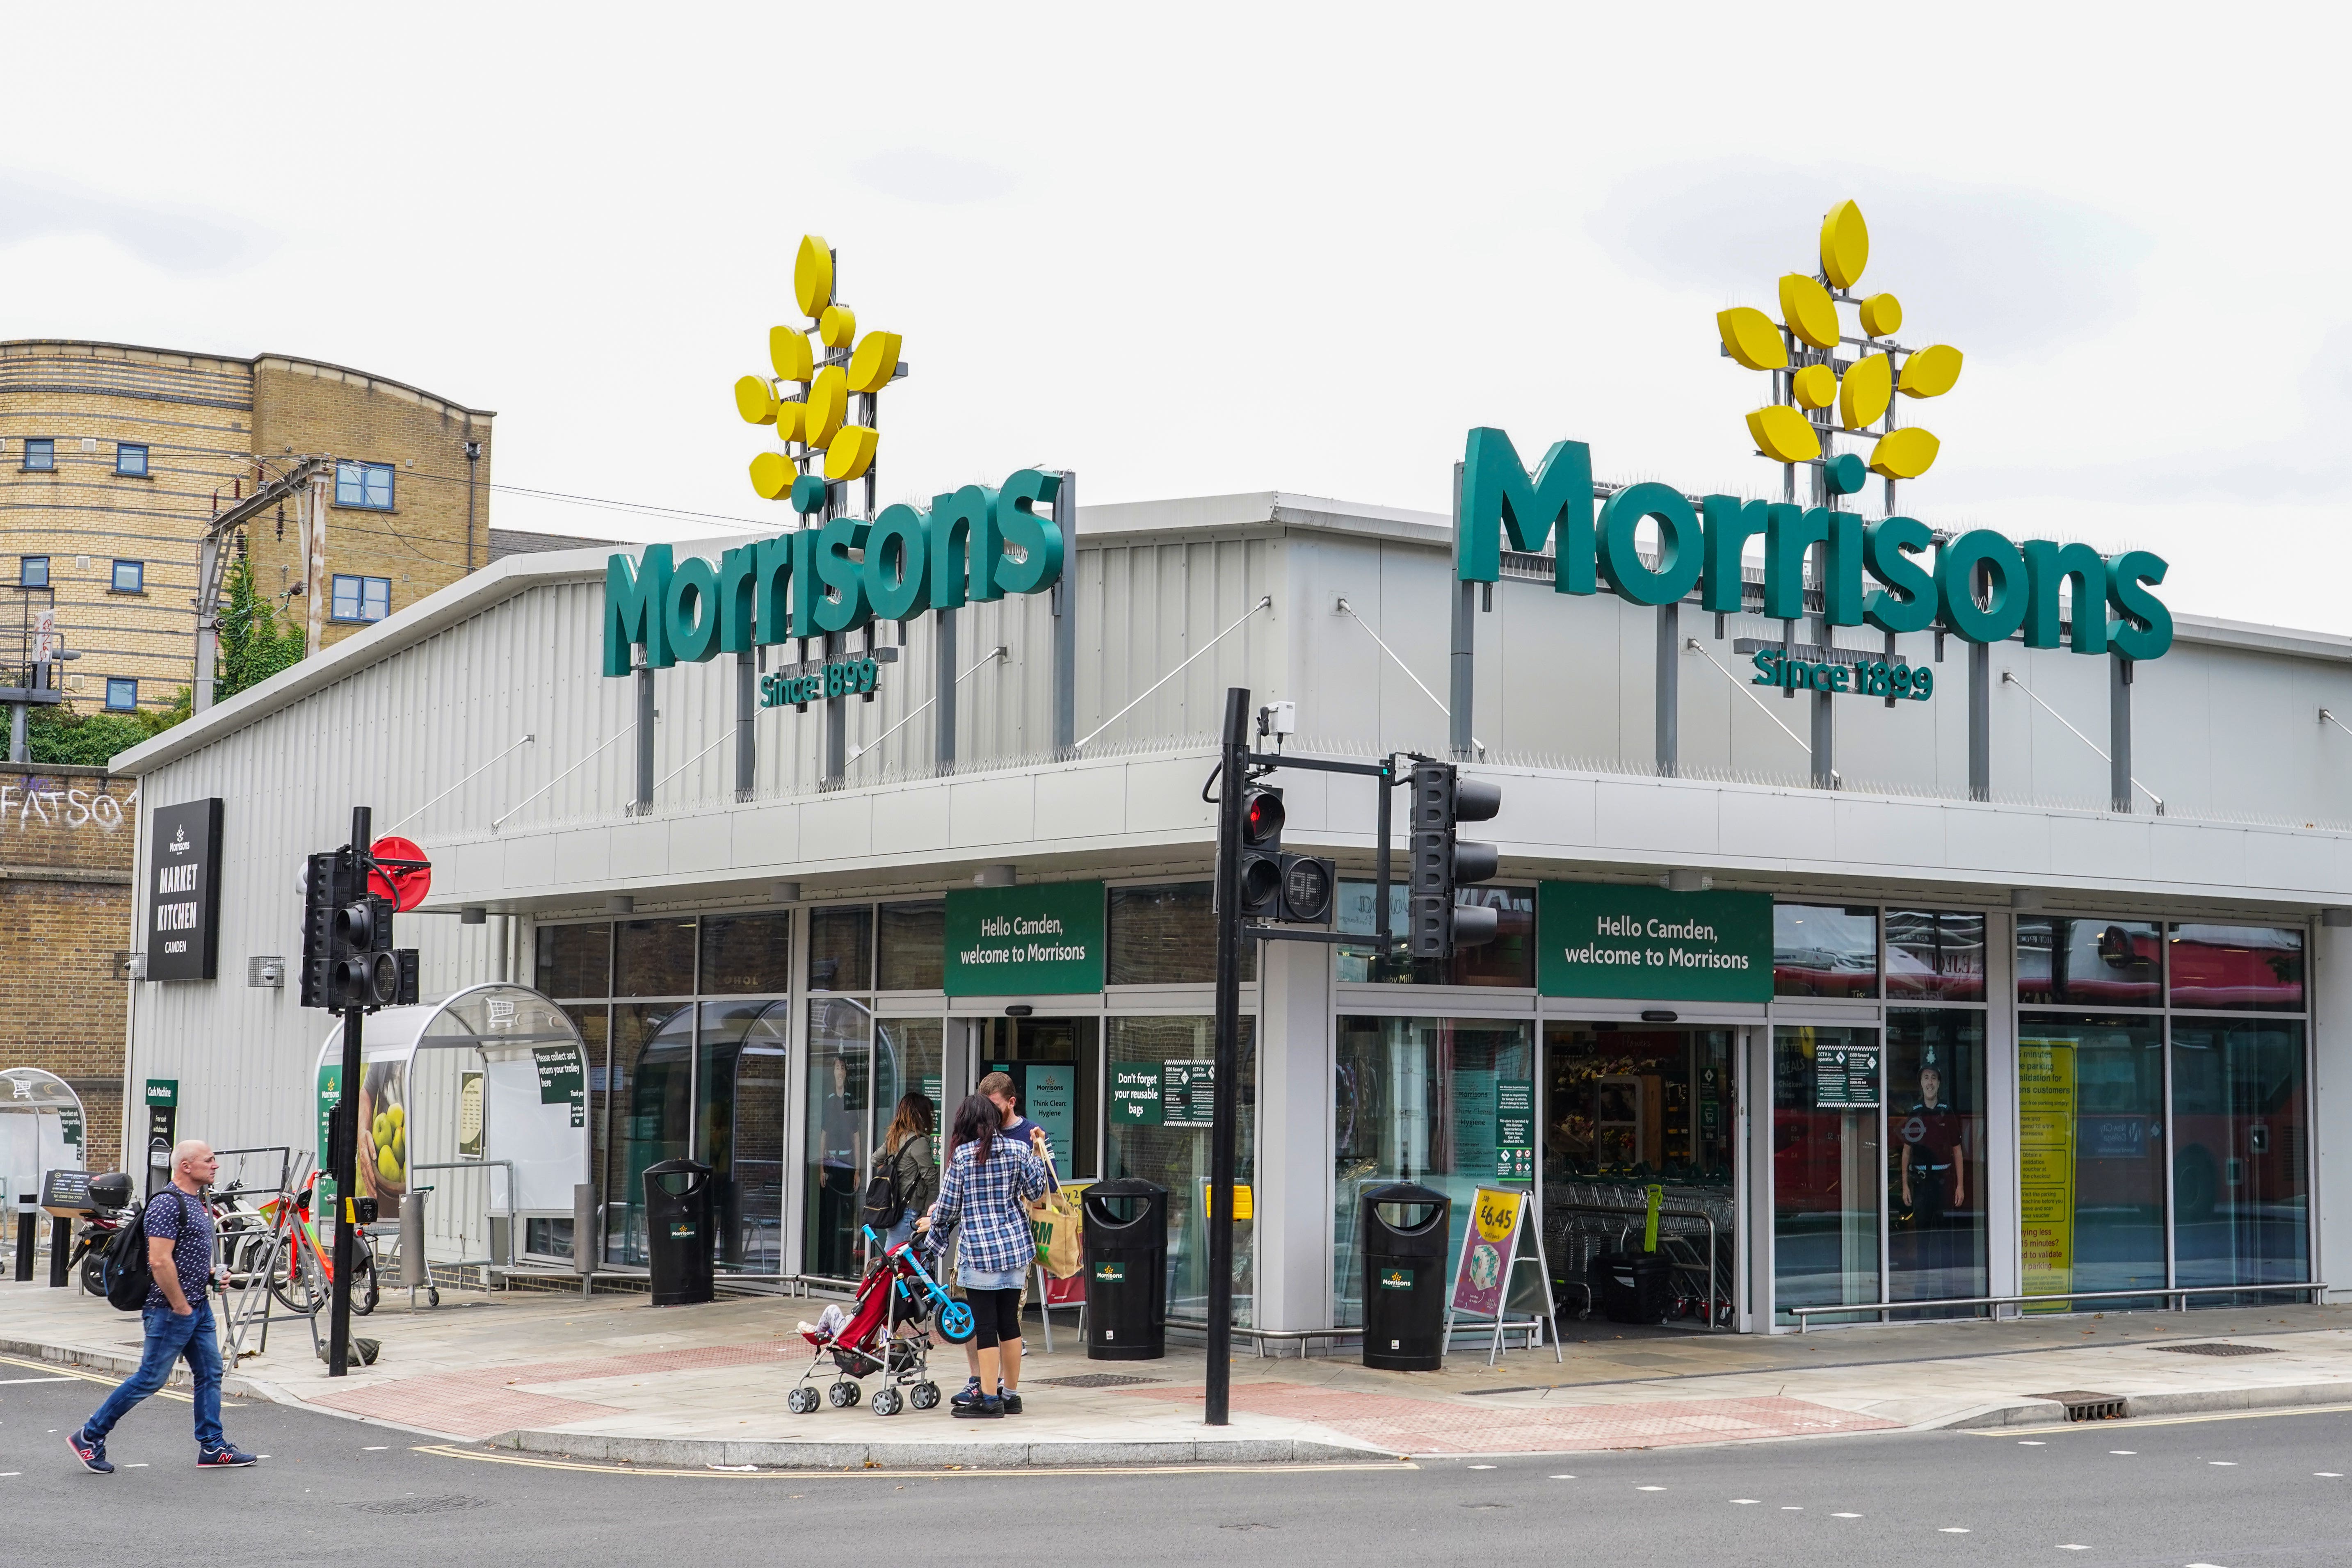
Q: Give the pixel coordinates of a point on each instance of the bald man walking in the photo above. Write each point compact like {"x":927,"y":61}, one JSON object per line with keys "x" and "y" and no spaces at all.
{"x":178,"y":1319}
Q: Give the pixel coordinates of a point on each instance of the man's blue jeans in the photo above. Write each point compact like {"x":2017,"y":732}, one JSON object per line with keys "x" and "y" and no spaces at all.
{"x":169,"y":1338}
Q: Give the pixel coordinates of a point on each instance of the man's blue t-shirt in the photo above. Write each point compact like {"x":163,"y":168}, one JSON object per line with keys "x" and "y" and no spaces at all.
{"x":187,"y":1224}
{"x":1018,"y":1131}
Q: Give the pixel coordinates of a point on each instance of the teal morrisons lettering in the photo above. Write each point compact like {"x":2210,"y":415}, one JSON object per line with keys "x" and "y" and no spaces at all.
{"x":842,"y":677}
{"x":1866,"y":676}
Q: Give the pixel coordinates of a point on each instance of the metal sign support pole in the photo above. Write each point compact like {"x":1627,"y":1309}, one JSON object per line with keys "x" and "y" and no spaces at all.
{"x":345,"y":1144}
{"x":1463,"y":668}
{"x":1223,"y":1127}
{"x":1066,"y":620}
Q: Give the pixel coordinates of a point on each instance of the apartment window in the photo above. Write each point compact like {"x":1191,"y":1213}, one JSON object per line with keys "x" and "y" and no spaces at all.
{"x":122,"y":693}
{"x":363,"y":484}
{"x":363,"y":599}
{"x":130,"y":459}
{"x":33,"y":571}
{"x":40,"y":452}
{"x":131,"y":576}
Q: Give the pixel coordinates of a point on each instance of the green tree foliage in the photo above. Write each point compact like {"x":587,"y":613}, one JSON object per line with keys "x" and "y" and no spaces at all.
{"x":59,"y":734}
{"x":256,"y":640}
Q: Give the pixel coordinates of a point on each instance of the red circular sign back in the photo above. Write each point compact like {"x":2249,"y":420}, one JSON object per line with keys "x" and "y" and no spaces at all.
{"x":405,"y":887}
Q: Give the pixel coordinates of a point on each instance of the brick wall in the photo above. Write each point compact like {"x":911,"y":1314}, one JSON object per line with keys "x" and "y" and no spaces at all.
{"x":67,"y":845}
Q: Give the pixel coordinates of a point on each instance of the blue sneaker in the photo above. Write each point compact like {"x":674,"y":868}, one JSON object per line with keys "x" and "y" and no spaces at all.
{"x":227,"y":1456}
{"x":971,"y":1396}
{"x":91,"y":1452}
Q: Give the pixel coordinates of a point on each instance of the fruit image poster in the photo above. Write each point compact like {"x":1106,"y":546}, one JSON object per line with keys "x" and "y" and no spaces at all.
{"x":384,"y":1132}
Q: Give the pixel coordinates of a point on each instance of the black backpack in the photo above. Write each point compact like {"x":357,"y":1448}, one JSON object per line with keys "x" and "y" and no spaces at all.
{"x":125,"y":1268}
{"x":886,"y":1197}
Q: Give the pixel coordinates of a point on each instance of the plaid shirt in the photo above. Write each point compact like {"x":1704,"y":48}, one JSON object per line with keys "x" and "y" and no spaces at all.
{"x":988,"y":1200}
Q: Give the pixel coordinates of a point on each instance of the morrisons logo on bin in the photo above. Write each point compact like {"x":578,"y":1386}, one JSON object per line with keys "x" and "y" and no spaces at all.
{"x":1895,"y":573}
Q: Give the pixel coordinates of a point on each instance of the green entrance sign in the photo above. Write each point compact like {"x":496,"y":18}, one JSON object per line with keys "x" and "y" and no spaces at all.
{"x":162,"y":1091}
{"x":1017,"y":941}
{"x":1647,"y":945}
{"x":1515,"y":1130}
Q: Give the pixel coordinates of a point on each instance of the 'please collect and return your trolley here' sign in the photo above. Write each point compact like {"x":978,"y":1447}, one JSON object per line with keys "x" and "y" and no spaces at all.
{"x":1647,"y":945}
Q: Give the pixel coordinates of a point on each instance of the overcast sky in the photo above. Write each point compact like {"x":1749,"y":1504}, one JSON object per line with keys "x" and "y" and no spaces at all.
{"x":1187,"y":250}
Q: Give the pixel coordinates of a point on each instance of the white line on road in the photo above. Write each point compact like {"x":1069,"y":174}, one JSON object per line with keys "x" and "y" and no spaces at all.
{"x":14,"y":1381}
{"x":375,"y":1447}
{"x":2225,"y":1464}
{"x":1746,"y":1499}
{"x":1649,"y":1489}
{"x":2329,"y":1475}
{"x":1952,"y":1530}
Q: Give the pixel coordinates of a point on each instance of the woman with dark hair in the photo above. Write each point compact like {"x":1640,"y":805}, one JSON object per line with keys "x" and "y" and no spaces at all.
{"x":907,"y":1155}
{"x":985,"y":1189}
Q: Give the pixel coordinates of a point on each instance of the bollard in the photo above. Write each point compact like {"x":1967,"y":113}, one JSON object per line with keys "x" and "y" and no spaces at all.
{"x":583,"y":1233}
{"x":25,"y":1247}
{"x":60,"y":1250}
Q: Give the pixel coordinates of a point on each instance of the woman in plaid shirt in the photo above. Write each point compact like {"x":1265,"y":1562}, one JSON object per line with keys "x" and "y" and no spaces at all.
{"x":986,"y":1189}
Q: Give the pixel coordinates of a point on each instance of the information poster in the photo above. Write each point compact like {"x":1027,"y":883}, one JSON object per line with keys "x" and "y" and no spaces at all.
{"x":1488,"y":1246}
{"x":1845,"y":1078}
{"x":561,"y":1081}
{"x":1135,"y":1096}
{"x":2045,"y":1141}
{"x":1050,"y":1099}
{"x":331,"y":1089}
{"x":1188,"y":1093}
{"x":469,"y":1115}
{"x":1515,"y":1130}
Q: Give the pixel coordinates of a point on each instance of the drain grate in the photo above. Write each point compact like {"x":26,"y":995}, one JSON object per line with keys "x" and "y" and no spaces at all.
{"x":1096,"y":1379}
{"x":2084,"y":1406}
{"x":2218,"y":1350}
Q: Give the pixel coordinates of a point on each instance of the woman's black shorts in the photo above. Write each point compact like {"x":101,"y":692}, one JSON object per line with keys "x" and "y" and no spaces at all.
{"x":995,"y":1315}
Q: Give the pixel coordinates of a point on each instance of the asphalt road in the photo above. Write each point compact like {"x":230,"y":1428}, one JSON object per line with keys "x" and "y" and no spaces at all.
{"x":2235,"y":1493}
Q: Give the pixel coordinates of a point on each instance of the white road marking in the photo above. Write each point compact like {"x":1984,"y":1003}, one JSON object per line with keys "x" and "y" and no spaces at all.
{"x":1746,"y":1499}
{"x":2032,"y":1443}
{"x":2204,"y":1566}
{"x":1563,"y":1478}
{"x":2072,"y":1548}
{"x":2225,"y":1464}
{"x":1952,"y":1530}
{"x":7,"y":1474}
{"x":140,"y":1465}
{"x":1649,"y":1489}
{"x":13,"y":1381}
{"x":1481,"y":1467}
{"x":1790,"y":1508}
{"x":2329,"y":1475}
{"x":1846,"y":1516}
{"x":375,"y":1447}
{"x":2126,"y":1452}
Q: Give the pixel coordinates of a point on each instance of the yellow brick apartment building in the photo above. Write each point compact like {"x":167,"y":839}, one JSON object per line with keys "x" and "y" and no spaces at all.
{"x":115,"y":459}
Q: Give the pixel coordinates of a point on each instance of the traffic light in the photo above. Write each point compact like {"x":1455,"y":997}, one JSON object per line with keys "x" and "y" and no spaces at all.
{"x":329,"y":880}
{"x":364,"y":972}
{"x":1291,"y":889}
{"x":348,"y":960}
{"x":1442,"y":863}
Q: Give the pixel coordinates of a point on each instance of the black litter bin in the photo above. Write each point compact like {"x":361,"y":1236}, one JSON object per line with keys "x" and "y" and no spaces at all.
{"x":1126,"y":1237}
{"x":677,"y":1232}
{"x":1402,"y":1239}
{"x":1633,"y":1287}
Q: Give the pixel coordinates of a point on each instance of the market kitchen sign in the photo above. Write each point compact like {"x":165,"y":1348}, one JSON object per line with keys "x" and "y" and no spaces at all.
{"x":1647,"y":945}
{"x":184,"y":891}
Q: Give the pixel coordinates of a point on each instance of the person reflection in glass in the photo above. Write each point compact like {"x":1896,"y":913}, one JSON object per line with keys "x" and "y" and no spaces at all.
{"x":842,"y":1155}
{"x":1934,"y":1177}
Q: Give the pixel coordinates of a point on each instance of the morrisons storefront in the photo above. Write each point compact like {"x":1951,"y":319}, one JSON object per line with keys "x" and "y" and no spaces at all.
{"x":1931,"y":917}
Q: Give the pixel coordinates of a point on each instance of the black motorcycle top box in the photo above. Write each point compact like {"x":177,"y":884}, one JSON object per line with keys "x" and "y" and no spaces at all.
{"x":111,"y":1191}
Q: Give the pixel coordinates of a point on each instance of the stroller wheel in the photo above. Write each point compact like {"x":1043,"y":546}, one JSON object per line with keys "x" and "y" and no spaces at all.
{"x":842,"y":1394}
{"x":801,"y":1401}
{"x":956,"y":1326}
{"x":924,"y":1396}
{"x":887,"y":1402}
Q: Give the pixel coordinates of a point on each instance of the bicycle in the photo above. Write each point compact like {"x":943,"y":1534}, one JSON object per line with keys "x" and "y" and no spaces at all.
{"x":302,"y":1277}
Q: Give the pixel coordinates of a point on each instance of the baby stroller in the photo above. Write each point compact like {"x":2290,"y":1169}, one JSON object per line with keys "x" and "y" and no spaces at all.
{"x":882,"y":1330}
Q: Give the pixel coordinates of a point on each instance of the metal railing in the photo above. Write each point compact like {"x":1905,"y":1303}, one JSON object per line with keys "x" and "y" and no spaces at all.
{"x":1805,"y":1315}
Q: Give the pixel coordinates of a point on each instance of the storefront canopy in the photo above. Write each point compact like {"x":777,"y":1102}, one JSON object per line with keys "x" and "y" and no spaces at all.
{"x":516,"y":1096}
{"x":40,"y":1129}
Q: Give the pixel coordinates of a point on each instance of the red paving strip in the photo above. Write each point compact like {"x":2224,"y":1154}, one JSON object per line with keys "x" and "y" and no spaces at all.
{"x":485,"y":1400}
{"x":1426,"y":1426}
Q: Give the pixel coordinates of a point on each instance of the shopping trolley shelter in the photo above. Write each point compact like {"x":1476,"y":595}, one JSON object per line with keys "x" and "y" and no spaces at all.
{"x":1888,"y":920}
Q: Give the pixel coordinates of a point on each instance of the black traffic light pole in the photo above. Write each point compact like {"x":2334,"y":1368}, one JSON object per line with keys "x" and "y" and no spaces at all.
{"x":1224,"y":1131}
{"x":343,"y":1140}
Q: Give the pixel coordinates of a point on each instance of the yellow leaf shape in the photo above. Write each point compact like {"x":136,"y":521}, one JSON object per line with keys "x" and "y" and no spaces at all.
{"x":1805,"y":305}
{"x":1881,"y":316}
{"x":838,"y":326}
{"x":772,"y":474}
{"x":1845,"y":244}
{"x":1904,"y":453}
{"x":812,"y":275}
{"x":791,"y":421}
{"x":1931,"y":372}
{"x":1868,"y":387}
{"x":1750,"y":338}
{"x":754,"y":401}
{"x":828,"y":405}
{"x":875,"y":362}
{"x":1816,"y":386}
{"x":1784,"y":435}
{"x":851,"y":453}
{"x":788,"y":350}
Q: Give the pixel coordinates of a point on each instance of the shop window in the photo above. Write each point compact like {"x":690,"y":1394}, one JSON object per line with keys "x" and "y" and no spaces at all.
{"x":1417,"y":1101}
{"x":1173,"y":1152}
{"x":130,"y":459}
{"x":1165,"y":934}
{"x":2240,"y":969}
{"x":839,"y":1135}
{"x":360,"y":598}
{"x":654,"y":958}
{"x":32,"y":571}
{"x":742,"y":1088}
{"x":907,"y":1058}
{"x":841,"y":947}
{"x":1826,"y":1094}
{"x":1934,"y":1151}
{"x":912,"y":946}
{"x":573,"y":960}
{"x":40,"y":453}
{"x":2241,"y":1174}
{"x":2091,"y":1156}
{"x":1824,"y":950}
{"x":2061,"y":958}
{"x":122,"y":693}
{"x":646,"y":1090}
{"x":1055,"y":1066}
{"x":1508,"y":960}
{"x":364,"y":485}
{"x":746,"y":955}
{"x":1937,"y":955}
{"x":130,"y":578}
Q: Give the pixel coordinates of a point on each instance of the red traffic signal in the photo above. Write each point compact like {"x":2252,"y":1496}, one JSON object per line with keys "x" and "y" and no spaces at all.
{"x":1262,"y":817}
{"x":406,"y":885}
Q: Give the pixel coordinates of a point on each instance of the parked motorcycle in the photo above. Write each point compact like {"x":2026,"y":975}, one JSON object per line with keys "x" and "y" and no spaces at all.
{"x":110,"y":1201}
